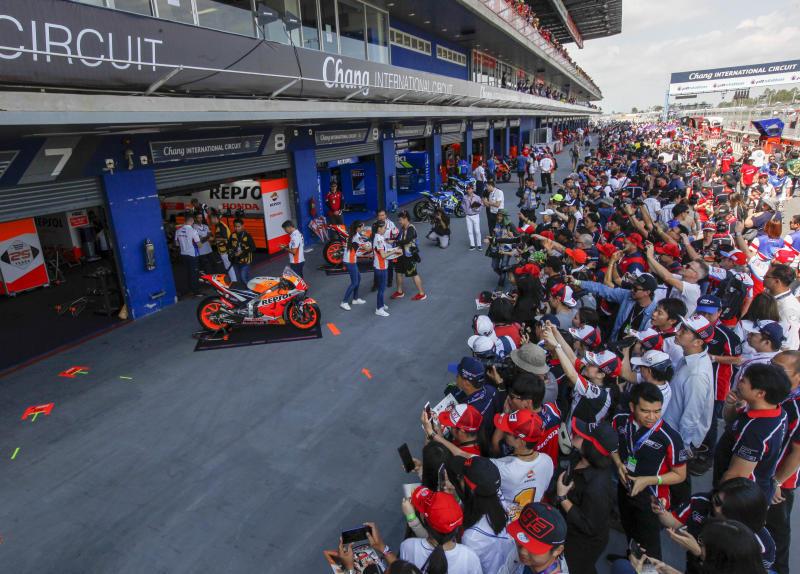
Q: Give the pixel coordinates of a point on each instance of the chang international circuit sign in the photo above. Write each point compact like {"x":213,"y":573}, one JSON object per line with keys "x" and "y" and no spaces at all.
{"x":734,"y":78}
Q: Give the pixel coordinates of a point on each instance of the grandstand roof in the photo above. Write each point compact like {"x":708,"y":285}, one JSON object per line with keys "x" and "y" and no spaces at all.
{"x":591,"y":18}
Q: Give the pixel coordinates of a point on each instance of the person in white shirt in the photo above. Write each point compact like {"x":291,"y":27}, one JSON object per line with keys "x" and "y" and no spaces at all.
{"x":685,"y":286}
{"x":296,"y":247}
{"x":189,"y":243}
{"x":494,"y":202}
{"x":546,"y":165}
{"x":778,"y":281}
{"x":442,"y":517}
{"x":204,"y":249}
{"x":479,"y":173}
{"x":765,"y":338}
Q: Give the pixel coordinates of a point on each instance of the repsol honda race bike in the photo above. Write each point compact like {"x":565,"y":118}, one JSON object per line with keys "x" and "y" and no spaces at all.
{"x":265,"y":301}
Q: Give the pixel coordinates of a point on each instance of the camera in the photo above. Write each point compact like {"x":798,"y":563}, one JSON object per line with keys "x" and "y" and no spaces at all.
{"x":505,"y":366}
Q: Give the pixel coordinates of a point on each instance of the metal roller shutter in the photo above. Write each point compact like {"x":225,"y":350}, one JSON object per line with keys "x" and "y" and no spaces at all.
{"x":171,"y":177}
{"x":44,"y":198}
{"x":480,"y":134}
{"x":344,"y":151}
{"x":454,"y":138}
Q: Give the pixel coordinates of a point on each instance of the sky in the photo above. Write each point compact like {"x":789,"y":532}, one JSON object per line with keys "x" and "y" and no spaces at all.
{"x":661,"y":37}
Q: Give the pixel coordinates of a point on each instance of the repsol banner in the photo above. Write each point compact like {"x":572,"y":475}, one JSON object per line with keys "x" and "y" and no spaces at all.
{"x":243,"y":195}
{"x":736,"y":77}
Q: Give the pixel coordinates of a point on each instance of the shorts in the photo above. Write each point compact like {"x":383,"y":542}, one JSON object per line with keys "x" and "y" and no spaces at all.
{"x":405,"y":266}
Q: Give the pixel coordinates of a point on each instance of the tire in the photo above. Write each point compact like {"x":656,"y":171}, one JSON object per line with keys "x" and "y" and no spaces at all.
{"x":206,"y":311}
{"x":308,"y":319}
{"x":334,"y":252}
{"x":505,"y":177}
{"x":422,"y":209}
{"x":459,"y":210}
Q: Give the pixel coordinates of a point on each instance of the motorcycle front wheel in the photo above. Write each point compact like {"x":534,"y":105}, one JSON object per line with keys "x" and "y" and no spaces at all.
{"x":459,"y":210}
{"x":422,"y":209}
{"x":505,"y":177}
{"x":334,"y":252}
{"x":208,"y":314}
{"x":306,"y":317}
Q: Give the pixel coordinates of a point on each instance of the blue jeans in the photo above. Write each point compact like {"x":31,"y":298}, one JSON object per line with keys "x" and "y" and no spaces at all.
{"x":380,"y":275}
{"x":242,"y":272}
{"x":622,"y":567}
{"x":355,"y":281}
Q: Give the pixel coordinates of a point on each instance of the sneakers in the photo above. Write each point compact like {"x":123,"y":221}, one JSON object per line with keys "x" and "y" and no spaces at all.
{"x":381,"y":313}
{"x":398,"y":295}
{"x":419,"y":297}
{"x":344,"y":305}
{"x":385,"y":307}
{"x":471,"y":248}
{"x":358,"y":302}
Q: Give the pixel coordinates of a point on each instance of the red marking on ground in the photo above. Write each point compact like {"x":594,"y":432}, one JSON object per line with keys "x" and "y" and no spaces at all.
{"x":366,"y":373}
{"x":38,"y":409}
{"x":334,"y":329}
{"x":72,"y":371}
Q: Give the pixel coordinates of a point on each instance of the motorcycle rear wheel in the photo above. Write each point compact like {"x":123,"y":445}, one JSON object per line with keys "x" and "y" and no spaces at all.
{"x":459,"y":210}
{"x":505,"y":177}
{"x":207,"y":314}
{"x":422,"y":209}
{"x":334,"y":252}
{"x":305,"y":319}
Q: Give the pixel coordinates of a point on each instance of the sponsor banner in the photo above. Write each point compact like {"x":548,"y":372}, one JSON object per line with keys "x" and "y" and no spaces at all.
{"x":499,"y":124}
{"x":345,"y":161}
{"x":339,"y":137}
{"x":60,"y":230}
{"x":78,"y":218}
{"x":733,"y":78}
{"x":275,"y":196}
{"x":452,"y":127}
{"x":513,"y":123}
{"x":243,"y":195}
{"x":22,"y":264}
{"x":417,"y":131}
{"x":183,"y":150}
{"x":480,"y":126}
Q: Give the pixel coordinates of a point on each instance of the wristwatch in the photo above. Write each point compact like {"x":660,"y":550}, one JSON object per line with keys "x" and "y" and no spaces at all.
{"x":558,"y":500}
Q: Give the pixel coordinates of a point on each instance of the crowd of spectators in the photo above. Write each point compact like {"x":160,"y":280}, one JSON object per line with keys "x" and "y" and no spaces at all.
{"x":644,"y":332}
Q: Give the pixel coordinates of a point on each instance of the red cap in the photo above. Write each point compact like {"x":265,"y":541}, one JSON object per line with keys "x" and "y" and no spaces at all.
{"x":737,"y":256}
{"x":634,"y":238}
{"x":784,"y":256}
{"x":578,"y":255}
{"x":528,"y":269}
{"x":549,"y":234}
{"x":439,"y":509}
{"x":606,"y":249}
{"x":464,"y":417}
{"x":670,"y":249}
{"x":522,"y":424}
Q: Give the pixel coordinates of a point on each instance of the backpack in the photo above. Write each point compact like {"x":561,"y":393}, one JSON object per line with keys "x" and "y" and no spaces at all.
{"x":732,"y":292}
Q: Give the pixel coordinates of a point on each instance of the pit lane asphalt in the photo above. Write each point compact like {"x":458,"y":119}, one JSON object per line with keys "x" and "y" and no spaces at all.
{"x":241,"y":460}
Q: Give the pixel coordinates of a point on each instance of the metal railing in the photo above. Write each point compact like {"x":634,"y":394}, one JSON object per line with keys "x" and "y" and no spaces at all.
{"x":523,"y":27}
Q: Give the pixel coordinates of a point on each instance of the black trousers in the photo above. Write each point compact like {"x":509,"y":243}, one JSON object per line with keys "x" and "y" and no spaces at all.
{"x":582,"y":553}
{"x":779,"y":524}
{"x":639,"y":522}
{"x":192,"y":273}
{"x":547,"y":182}
{"x":492,"y":219}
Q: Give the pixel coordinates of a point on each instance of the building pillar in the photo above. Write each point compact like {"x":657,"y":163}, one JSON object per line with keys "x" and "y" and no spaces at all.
{"x":135,"y":215}
{"x":468,"y":146}
{"x":307,"y":187}
{"x":490,"y":151}
{"x":435,"y":160}
{"x":507,"y":141}
{"x":387,"y":180}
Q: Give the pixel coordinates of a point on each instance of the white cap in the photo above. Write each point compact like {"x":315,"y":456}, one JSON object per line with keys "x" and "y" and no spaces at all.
{"x":480,"y":344}
{"x":547,"y":212}
{"x":650,"y":358}
{"x":484,"y":326}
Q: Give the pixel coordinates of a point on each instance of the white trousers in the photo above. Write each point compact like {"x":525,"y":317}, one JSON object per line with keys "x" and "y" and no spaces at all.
{"x":474,"y":230}
{"x":227,"y":262}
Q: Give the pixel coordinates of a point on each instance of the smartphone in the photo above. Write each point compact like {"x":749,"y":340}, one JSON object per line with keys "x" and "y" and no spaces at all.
{"x":442,"y":478}
{"x":405,"y":456}
{"x":355,"y":535}
{"x":428,"y":411}
{"x":658,"y":502}
{"x":636,"y":550}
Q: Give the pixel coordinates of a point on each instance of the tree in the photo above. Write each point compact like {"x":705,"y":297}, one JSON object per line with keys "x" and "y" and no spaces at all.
{"x":658,"y":108}
{"x":634,"y":110}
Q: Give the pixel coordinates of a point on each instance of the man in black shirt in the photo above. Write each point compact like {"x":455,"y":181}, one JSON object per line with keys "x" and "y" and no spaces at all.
{"x":651,"y":458}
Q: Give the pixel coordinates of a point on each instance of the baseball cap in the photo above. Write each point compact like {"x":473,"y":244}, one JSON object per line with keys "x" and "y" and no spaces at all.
{"x":607,"y":249}
{"x":547,"y":233}
{"x":772,"y":330}
{"x":547,"y":212}
{"x":480,"y":343}
{"x":563,"y":293}
{"x":523,"y":424}
{"x":649,"y":338}
{"x":539,"y":528}
{"x":590,"y":336}
{"x":578,"y":255}
{"x":668,"y":249}
{"x":709,"y":304}
{"x":606,"y":361}
{"x":770,"y":202}
{"x":469,"y":368}
{"x":528,"y":269}
{"x":784,"y":256}
{"x":709,"y":226}
{"x":658,"y":360}
{"x":673,"y":223}
{"x":699,"y":325}
{"x":439,"y":509}
{"x":484,"y":326}
{"x":634,"y":238}
{"x":464,"y":417}
{"x":737,"y":256}
{"x":548,"y":317}
{"x":480,"y":474}
{"x":602,"y":435}
{"x":646,"y":281}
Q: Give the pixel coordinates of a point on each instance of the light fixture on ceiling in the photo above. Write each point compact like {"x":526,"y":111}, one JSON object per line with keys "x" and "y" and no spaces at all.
{"x":427,"y":21}
{"x":444,"y":29}
{"x":411,"y":14}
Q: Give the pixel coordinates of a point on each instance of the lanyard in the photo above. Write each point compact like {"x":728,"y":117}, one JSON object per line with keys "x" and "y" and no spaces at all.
{"x":554,"y":567}
{"x":642,"y":439}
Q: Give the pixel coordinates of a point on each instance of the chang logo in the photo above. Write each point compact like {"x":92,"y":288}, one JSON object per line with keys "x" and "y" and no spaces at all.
{"x":336,"y":76}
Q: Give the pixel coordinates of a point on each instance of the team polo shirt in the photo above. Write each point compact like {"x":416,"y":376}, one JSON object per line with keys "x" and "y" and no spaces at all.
{"x":792,"y":408}
{"x":755,"y":436}
{"x":351,"y":255}
{"x":378,"y":261}
{"x":726,"y":344}
{"x":658,"y":454}
{"x":694,"y":515}
{"x":296,"y":242}
{"x":551,"y":423}
{"x":590,"y":402}
{"x":483,"y":400}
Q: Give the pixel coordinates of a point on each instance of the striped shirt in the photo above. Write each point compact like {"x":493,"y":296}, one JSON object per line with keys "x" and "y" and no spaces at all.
{"x":378,"y":261}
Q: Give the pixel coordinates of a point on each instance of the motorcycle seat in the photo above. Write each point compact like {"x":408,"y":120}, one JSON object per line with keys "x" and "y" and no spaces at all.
{"x":239,"y":287}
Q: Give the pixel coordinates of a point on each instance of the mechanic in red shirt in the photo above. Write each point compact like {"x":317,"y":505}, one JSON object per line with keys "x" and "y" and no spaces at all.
{"x":748,"y":173}
{"x":334,"y":202}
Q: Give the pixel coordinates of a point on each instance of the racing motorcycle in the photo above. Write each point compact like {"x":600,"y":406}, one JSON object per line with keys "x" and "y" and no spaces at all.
{"x":335,"y":240}
{"x":502,"y":171}
{"x":265,"y":301}
{"x":458,"y":185}
{"x":449,"y":201}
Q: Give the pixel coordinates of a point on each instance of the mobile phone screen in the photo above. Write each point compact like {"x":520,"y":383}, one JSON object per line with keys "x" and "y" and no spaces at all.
{"x":354,"y":535}
{"x":442,"y":478}
{"x":636,"y":550}
{"x":405,"y":456}
{"x":428,"y":410}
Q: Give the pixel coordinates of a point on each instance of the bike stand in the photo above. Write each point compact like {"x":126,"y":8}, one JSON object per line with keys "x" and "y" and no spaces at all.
{"x":219,"y":335}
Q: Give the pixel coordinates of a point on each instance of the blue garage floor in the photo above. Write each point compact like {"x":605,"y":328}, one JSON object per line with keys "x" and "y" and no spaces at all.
{"x":241,"y":460}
